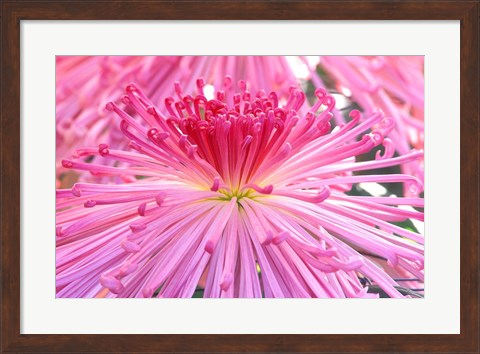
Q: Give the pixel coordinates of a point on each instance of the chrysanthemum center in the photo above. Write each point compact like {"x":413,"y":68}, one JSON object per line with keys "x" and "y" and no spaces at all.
{"x":227,"y":195}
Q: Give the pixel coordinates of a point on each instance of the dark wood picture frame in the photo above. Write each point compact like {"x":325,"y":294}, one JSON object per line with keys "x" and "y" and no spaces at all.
{"x":13,"y":12}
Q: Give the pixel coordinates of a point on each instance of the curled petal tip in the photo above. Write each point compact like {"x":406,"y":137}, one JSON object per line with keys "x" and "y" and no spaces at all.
{"x":103,"y":149}
{"x":355,"y":115}
{"x":131,"y":88}
{"x":226,"y":282}
{"x":67,"y":163}
{"x":76,"y":191}
{"x":209,"y":247}
{"x":375,"y":137}
{"x":126,"y":100}
{"x":151,"y":110}
{"x":415,"y":186}
{"x":265,"y":190}
{"x":59,"y":231}
{"x":227,"y":81}
{"x":137,"y":227}
{"x":389,"y":150}
{"x":89,"y":204}
{"x":320,"y":93}
{"x":141,"y":209}
{"x":111,"y":283}
{"x":160,"y":197}
{"x":110,"y":106}
{"x":216,"y":184}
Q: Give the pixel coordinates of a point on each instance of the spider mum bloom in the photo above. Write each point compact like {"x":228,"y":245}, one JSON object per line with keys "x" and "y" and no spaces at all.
{"x":85,"y":83}
{"x":240,"y":195}
{"x":394,"y":84}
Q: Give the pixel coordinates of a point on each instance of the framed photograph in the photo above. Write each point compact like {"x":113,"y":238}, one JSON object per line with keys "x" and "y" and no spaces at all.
{"x":280,"y":177}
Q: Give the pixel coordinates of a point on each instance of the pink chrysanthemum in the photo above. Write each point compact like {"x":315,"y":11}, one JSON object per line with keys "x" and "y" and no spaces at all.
{"x":394,"y":84}
{"x":239,"y":195}
{"x":85,"y":83}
